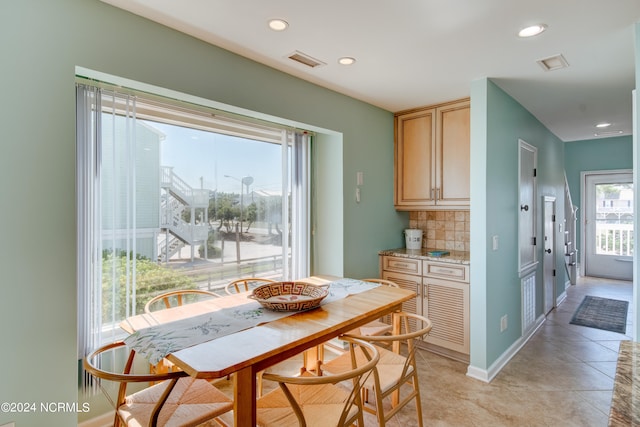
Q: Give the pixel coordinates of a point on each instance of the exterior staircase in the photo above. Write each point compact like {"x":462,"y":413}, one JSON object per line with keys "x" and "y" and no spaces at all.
{"x":177,"y":198}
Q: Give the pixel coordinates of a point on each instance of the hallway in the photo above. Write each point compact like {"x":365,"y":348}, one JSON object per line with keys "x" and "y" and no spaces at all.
{"x":562,"y":377}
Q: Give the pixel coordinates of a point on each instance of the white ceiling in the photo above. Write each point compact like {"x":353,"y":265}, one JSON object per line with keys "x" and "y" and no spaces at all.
{"x":412,"y":53}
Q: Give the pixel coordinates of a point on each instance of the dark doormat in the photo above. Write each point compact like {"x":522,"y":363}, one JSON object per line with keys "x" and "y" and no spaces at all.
{"x":602,"y":313}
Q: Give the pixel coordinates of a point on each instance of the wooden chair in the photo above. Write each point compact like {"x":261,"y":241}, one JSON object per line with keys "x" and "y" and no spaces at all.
{"x":176,"y":298}
{"x":376,"y":327}
{"x":246,"y":284}
{"x":310,"y":400}
{"x":173,"y":299}
{"x":177,"y":398}
{"x":394,"y":369}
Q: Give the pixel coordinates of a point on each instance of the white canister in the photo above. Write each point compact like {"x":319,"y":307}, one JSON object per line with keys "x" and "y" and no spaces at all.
{"x":413,"y":237}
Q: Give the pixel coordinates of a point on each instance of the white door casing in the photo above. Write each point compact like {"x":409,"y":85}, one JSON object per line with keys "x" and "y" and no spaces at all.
{"x":607,"y":206}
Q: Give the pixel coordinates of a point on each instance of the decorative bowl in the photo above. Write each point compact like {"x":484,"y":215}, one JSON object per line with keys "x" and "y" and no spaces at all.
{"x":290,"y":296}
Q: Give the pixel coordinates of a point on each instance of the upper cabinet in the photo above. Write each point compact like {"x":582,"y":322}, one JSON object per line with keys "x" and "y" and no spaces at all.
{"x":432,"y":157}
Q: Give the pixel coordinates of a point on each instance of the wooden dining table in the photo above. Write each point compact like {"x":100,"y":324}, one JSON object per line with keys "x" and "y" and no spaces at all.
{"x":249,"y":351}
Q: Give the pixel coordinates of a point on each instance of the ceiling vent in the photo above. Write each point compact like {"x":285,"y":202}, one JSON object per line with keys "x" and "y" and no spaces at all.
{"x":553,"y":63}
{"x":305,"y":59}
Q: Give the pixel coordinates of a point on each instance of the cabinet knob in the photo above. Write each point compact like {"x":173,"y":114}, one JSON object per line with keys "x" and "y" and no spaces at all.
{"x":548,"y":250}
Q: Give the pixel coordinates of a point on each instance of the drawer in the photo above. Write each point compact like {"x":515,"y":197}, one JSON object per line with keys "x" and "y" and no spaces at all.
{"x":402,"y":265}
{"x":449,"y":271}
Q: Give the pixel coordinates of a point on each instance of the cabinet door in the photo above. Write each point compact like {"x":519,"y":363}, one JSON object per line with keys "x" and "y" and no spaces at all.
{"x":452,"y":154}
{"x":414,"y":156}
{"x":446,"y":304}
{"x":412,"y":283}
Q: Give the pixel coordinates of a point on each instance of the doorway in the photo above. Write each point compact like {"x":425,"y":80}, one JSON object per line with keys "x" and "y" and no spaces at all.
{"x":549,"y":254}
{"x":608,"y":224}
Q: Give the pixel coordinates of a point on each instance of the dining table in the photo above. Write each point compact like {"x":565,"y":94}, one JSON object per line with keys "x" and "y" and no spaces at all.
{"x":248,"y":350}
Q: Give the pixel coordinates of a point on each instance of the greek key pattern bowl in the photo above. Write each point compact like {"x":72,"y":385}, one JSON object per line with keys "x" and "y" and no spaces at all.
{"x":290,"y":296}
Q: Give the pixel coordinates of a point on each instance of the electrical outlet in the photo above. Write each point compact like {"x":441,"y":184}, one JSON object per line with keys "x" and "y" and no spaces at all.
{"x":503,"y":323}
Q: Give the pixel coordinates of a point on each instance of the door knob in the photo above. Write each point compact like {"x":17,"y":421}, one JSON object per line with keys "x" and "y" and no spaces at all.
{"x":524,"y":207}
{"x":548,"y":250}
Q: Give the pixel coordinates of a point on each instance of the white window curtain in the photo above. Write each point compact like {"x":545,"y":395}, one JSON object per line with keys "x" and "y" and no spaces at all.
{"x":300,"y":202}
{"x":106,"y":204}
{"x":87,"y":188}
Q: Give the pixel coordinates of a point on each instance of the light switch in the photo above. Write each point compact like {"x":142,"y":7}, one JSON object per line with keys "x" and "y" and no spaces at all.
{"x":359,"y":178}
{"x":495,"y":242}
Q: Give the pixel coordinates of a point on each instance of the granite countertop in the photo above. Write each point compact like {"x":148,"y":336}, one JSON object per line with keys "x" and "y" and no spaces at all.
{"x":455,"y":257}
{"x":625,"y":403}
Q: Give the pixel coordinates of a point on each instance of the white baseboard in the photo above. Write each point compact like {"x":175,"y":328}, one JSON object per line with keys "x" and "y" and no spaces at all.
{"x":561,"y":298}
{"x":487,"y":375}
{"x":104,"y":420}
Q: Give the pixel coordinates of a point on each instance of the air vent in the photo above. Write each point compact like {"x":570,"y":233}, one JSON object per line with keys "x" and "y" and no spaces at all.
{"x":306,"y":59}
{"x":608,"y":133}
{"x":553,"y":63}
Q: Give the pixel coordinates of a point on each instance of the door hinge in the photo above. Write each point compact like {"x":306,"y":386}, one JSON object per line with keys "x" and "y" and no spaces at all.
{"x":553,"y":218}
{"x":533,"y":241}
{"x":535,"y":172}
{"x":554,"y":272}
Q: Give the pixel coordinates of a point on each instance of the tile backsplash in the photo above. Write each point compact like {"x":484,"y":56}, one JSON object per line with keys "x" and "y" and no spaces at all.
{"x":442,"y":229}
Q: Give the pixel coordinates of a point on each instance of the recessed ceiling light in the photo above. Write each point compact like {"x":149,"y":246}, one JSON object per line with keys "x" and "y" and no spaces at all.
{"x":278,"y":24}
{"x":346,"y":60}
{"x":533,"y":30}
{"x":603,"y":125}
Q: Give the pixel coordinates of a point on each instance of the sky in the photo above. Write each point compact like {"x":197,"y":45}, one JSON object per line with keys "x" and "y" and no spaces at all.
{"x":197,"y":154}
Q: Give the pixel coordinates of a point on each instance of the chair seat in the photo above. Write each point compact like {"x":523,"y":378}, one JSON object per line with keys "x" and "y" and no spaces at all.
{"x":322,"y":405}
{"x":191,"y":402}
{"x":389,"y":368}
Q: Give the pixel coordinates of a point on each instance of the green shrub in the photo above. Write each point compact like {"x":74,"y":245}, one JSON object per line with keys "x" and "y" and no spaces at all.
{"x":151,"y":279}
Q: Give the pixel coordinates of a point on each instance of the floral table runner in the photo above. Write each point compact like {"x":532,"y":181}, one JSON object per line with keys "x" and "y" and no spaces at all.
{"x":156,"y":342}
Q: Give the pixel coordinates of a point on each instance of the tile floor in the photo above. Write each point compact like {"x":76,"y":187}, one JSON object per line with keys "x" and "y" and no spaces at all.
{"x":562,"y":377}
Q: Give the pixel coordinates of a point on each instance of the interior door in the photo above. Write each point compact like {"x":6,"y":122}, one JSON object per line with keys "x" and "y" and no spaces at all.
{"x":549,"y":254}
{"x":527,"y":202}
{"x":608,"y":224}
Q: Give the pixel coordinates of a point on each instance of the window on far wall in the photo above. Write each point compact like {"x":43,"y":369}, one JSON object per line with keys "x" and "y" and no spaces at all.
{"x":173,"y":196}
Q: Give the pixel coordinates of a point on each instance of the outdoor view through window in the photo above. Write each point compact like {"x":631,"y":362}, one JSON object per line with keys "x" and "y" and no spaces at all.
{"x":182,"y":200}
{"x":614,"y":219}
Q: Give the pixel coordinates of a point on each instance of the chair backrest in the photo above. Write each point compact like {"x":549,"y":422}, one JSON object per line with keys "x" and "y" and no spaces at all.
{"x":358,"y":375}
{"x":244,"y":285}
{"x":406,"y":335}
{"x":382,"y":282}
{"x":95,"y":367}
{"x":176,"y":298}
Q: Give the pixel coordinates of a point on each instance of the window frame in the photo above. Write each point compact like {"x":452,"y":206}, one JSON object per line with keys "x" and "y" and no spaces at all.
{"x":265,"y":132}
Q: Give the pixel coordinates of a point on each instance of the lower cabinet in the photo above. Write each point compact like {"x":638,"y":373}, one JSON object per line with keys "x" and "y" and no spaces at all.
{"x":442,"y":291}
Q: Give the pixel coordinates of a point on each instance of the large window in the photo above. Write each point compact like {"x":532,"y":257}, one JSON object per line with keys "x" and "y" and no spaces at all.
{"x":172,"y":195}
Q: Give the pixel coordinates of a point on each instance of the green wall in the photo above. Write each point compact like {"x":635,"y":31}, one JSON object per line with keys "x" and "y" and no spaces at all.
{"x":498,"y":122}
{"x":43,"y":43}
{"x":635,"y":308}
{"x":593,"y":155}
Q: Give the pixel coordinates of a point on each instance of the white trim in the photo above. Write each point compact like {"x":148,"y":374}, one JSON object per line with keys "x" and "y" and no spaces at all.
{"x":487,"y":375}
{"x":563,"y":296}
{"x":181,"y":96}
{"x":583,"y":227}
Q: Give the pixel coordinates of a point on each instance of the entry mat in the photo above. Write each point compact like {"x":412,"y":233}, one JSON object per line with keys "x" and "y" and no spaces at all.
{"x":602,"y":313}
